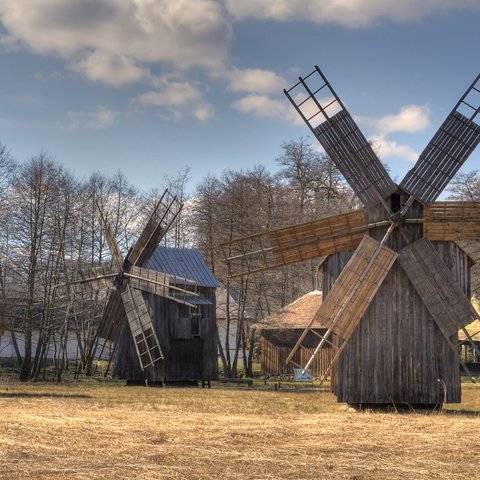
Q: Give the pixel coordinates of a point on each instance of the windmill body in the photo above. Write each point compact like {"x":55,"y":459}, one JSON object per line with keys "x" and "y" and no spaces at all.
{"x":397,"y":353}
{"x":127,"y":280}
{"x":187,"y":334}
{"x":396,"y":284}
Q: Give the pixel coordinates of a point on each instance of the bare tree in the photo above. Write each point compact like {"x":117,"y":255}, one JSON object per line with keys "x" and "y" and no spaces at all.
{"x":40,"y":211}
{"x":465,"y":186}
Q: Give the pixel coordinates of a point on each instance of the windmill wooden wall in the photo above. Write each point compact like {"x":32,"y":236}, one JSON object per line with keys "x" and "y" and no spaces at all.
{"x":398,"y":353}
{"x":190,"y":348}
{"x":189,"y":357}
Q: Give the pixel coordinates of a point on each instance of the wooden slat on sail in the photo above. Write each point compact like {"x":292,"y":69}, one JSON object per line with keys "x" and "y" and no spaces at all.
{"x":97,"y":278}
{"x":164,"y":214}
{"x":451,"y":221}
{"x":287,"y":245}
{"x":433,"y":281}
{"x":113,"y":318}
{"x":353,"y":155}
{"x":175,"y":288}
{"x":143,"y":332}
{"x":356,"y":287}
{"x":322,"y":110}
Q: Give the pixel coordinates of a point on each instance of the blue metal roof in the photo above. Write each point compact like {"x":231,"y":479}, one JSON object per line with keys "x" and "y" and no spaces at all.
{"x":183,"y":262}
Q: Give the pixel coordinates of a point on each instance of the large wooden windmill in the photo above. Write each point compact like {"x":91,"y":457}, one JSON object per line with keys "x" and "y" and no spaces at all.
{"x":397,"y":285}
{"x":127,"y":279}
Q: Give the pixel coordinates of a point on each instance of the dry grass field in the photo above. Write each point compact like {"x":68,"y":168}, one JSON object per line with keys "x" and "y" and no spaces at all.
{"x":109,"y":431}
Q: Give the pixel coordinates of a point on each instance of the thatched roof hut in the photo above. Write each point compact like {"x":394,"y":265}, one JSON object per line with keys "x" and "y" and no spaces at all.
{"x":279,"y":333}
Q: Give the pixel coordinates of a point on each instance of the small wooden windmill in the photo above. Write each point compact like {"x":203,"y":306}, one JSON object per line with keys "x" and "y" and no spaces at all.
{"x":127,"y":278}
{"x":396,"y":283}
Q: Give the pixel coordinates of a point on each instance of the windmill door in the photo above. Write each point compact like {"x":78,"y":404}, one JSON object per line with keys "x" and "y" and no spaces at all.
{"x":185,"y":360}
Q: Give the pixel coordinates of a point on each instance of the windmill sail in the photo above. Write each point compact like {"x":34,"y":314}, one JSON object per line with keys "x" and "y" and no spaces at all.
{"x":175,"y":288}
{"x":296,"y":243}
{"x":448,"y":150}
{"x":441,"y":294}
{"x":328,"y":119}
{"x":352,"y":293}
{"x":452,"y":221}
{"x":112,"y":319}
{"x":166,"y":211}
{"x":143,"y":332}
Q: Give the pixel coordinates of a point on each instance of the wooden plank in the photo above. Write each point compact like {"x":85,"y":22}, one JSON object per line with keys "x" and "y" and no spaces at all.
{"x":362,"y":277}
{"x":452,"y":221}
{"x":396,"y":353}
{"x":113,"y":246}
{"x":143,"y":332}
{"x":162,"y":284}
{"x":113,"y":318}
{"x":326,"y":116}
{"x":448,"y":150}
{"x":354,"y":157}
{"x":441,"y":294}
{"x":164,"y":214}
{"x":286,"y":245}
{"x":97,"y":278}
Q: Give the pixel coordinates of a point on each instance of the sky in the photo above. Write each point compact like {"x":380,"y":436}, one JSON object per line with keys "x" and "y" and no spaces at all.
{"x":150,"y":87}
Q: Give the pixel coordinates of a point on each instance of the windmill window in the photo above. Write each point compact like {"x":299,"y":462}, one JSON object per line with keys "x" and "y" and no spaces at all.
{"x":395,"y":203}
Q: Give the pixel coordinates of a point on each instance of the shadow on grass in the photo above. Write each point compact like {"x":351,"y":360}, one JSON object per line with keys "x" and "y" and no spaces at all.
{"x":41,"y":395}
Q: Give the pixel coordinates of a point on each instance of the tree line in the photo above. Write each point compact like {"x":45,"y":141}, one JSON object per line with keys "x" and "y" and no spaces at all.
{"x":51,"y":228}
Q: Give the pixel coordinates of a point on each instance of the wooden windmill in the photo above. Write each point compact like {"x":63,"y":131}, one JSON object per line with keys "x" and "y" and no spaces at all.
{"x":396,"y":283}
{"x":127,"y":278}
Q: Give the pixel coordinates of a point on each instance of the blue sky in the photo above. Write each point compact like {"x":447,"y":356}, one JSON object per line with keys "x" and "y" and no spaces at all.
{"x":152,"y":86}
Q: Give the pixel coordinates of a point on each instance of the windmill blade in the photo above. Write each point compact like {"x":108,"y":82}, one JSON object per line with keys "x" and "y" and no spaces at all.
{"x":296,"y":243}
{"x":452,"y":221}
{"x":441,"y":294}
{"x":449,"y":148}
{"x":112,"y":241}
{"x":328,"y":119}
{"x":166,"y":211}
{"x":351,"y":294}
{"x":163,"y":284}
{"x":97,"y":278}
{"x":113,"y":318}
{"x":145,"y":339}
{"x":355,"y":287}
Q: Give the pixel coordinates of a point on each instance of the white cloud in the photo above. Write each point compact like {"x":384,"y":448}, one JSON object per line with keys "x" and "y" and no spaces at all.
{"x":267,"y":107}
{"x":115,"y":70}
{"x":411,"y":118}
{"x":387,"y":147}
{"x":102,"y":118}
{"x":351,"y":13}
{"x":114,"y":41}
{"x":180,"y":98}
{"x":255,"y":80}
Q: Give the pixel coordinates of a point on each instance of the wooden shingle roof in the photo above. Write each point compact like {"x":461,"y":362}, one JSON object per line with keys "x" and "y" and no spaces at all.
{"x":295,"y":315}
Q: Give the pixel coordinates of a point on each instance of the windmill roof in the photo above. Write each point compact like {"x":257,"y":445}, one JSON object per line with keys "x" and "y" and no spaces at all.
{"x":183,"y":262}
{"x":295,"y":315}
